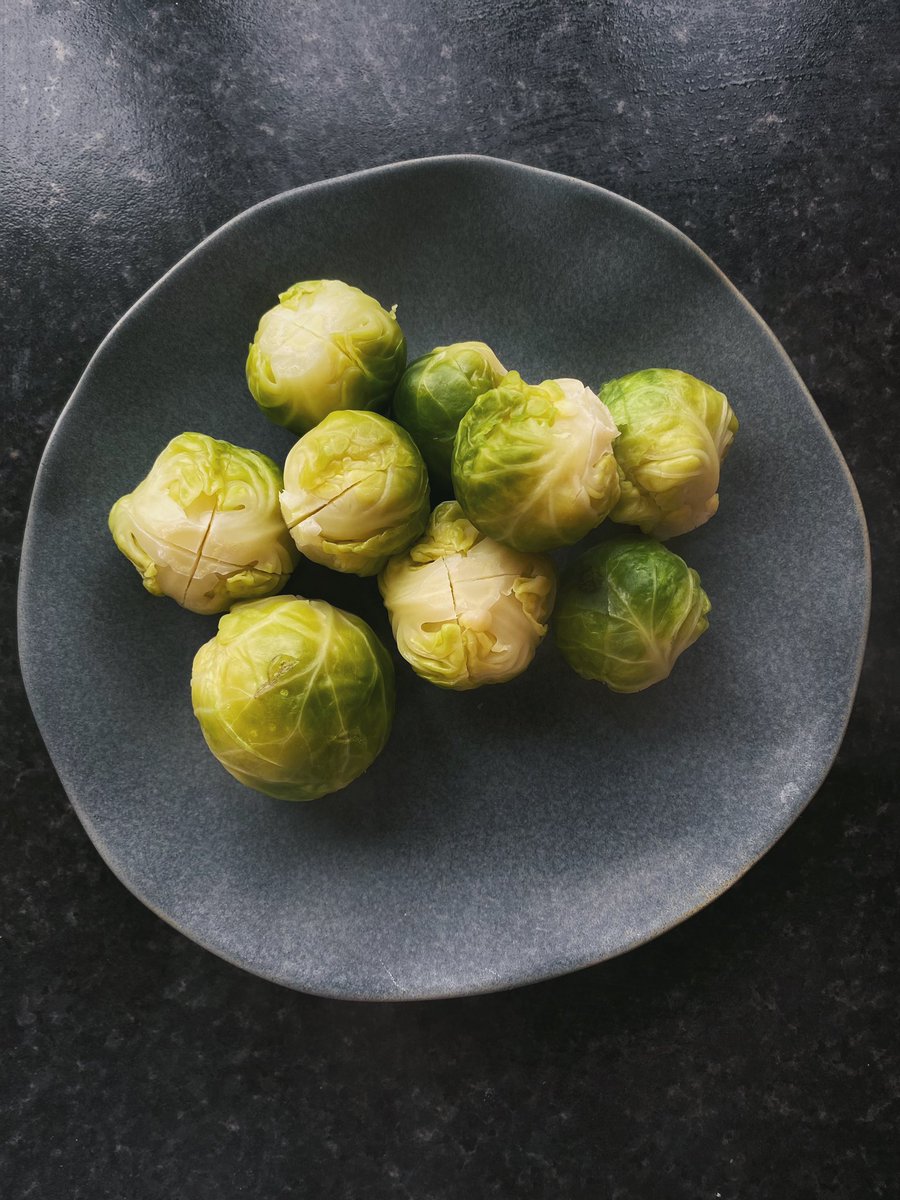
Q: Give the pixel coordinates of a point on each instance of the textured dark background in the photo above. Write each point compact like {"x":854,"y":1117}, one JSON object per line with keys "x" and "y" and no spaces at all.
{"x":753,"y":1051}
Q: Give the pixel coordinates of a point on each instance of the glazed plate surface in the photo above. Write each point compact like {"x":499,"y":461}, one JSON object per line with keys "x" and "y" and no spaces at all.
{"x":507,"y":834}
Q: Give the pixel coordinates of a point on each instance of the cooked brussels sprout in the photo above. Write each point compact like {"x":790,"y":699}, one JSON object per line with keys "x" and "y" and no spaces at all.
{"x":295,"y":698}
{"x":674,"y":432}
{"x":533,"y":465}
{"x":465,"y":610}
{"x":437,"y":391}
{"x":205,"y":527}
{"x":626,"y":610}
{"x":324,"y":346}
{"x":355,"y":492}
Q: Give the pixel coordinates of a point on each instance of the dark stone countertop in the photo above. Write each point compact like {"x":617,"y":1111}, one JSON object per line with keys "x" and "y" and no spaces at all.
{"x":753,"y":1051}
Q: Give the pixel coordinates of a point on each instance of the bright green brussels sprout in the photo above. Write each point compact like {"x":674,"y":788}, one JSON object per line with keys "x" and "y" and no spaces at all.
{"x":674,"y":432}
{"x":205,"y":526}
{"x":355,"y":492}
{"x":465,"y":610}
{"x":294,"y":697}
{"x":626,"y":610}
{"x":324,"y":346}
{"x":533,"y":465}
{"x":436,"y":392}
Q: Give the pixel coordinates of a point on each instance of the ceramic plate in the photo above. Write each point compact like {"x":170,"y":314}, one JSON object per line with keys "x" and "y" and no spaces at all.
{"x":507,"y":834}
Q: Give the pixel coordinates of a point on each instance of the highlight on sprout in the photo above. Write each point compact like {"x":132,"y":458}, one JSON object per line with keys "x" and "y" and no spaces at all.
{"x":295,"y":698}
{"x":324,"y":346}
{"x":626,"y":611}
{"x":674,"y":431}
{"x":355,"y":492}
{"x":435,"y":393}
{"x":205,"y":527}
{"x":464,"y":609}
{"x":533,"y":464}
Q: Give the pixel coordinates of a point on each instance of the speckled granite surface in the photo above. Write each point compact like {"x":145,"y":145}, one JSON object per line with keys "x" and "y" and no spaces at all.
{"x":751,"y":1052}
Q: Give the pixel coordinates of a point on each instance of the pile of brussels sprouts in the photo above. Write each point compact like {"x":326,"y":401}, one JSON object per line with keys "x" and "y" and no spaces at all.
{"x":295,"y":697}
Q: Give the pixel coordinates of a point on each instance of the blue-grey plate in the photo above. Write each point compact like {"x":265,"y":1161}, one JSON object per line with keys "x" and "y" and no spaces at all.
{"x":508,"y":834}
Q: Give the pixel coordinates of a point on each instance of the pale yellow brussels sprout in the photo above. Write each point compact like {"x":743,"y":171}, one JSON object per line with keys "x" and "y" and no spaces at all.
{"x":324,"y":346}
{"x":355,"y":492}
{"x":295,"y":698}
{"x":674,"y":432}
{"x":205,"y":527}
{"x":533,"y":465}
{"x":464,"y":609}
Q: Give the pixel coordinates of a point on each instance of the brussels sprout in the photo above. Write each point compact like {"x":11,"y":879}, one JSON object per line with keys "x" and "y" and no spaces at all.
{"x":674,"y":432}
{"x":324,"y":346}
{"x":465,"y":610}
{"x":295,"y":698}
{"x":355,"y":492}
{"x":437,"y":391}
{"x":204,"y":527}
{"x":626,"y":610}
{"x":533,"y":465}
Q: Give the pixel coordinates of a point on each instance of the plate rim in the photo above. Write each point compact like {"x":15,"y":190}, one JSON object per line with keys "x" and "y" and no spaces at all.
{"x":791,"y":813}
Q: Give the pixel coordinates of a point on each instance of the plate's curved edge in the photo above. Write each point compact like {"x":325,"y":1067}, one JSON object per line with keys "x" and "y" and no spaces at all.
{"x":563,"y":968}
